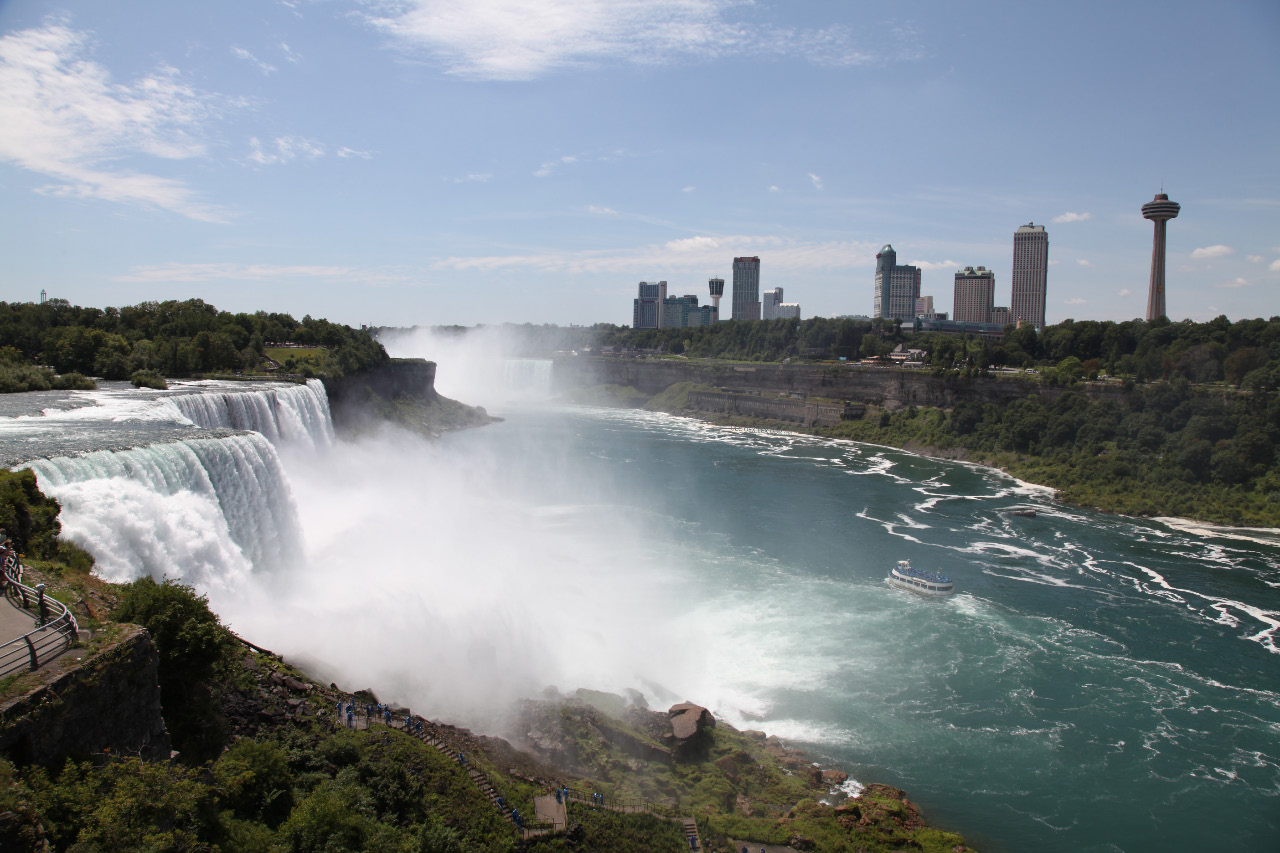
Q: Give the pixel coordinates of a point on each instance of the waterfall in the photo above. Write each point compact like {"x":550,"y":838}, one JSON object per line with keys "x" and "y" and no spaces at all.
{"x":529,"y":378}
{"x":205,"y":510}
{"x":296,"y":415}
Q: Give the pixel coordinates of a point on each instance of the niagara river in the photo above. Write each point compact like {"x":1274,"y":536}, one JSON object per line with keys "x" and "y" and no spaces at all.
{"x":1098,"y":683}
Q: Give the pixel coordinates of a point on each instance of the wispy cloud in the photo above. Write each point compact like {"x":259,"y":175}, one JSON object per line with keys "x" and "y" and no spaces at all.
{"x":524,"y":39}
{"x":266,"y":68}
{"x":1275,"y":266}
{"x":1124,"y":291}
{"x":692,"y":244}
{"x":283,"y":149}
{"x":290,"y":54}
{"x":1084,"y":263}
{"x":937,"y":265}
{"x":601,"y":211}
{"x":1217,"y":251}
{"x":817,"y":182}
{"x":551,"y":165}
{"x":688,"y":189}
{"x":696,"y":254}
{"x":63,"y":116}
{"x":347,"y":153}
{"x":1234,"y":283}
{"x":775,"y":189}
{"x":1254,"y":259}
{"x":1073,"y":217}
{"x":1075,"y":301}
{"x":179,"y":272}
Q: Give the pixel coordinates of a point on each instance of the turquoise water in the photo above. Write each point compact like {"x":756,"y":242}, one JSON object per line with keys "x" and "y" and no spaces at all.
{"x":1098,"y":683}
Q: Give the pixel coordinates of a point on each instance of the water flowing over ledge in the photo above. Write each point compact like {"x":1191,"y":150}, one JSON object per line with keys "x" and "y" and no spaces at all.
{"x":299,"y":414}
{"x":208,"y":510}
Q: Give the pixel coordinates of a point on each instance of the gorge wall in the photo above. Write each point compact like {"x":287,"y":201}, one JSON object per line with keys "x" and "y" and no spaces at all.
{"x":109,"y":702}
{"x":359,"y":398}
{"x":886,"y":387}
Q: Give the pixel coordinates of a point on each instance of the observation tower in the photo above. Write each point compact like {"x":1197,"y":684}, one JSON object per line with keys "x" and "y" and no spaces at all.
{"x":1159,"y":210}
{"x":717,"y":291}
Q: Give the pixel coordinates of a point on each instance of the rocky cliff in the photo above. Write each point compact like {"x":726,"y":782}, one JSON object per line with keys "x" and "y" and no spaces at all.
{"x":106,"y":703}
{"x":885,"y":387}
{"x":403,"y":391}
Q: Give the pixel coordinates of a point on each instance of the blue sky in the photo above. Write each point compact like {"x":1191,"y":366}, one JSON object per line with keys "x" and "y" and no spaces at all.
{"x":402,"y":162}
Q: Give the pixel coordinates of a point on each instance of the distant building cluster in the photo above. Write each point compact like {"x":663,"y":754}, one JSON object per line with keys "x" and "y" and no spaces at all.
{"x":897,"y":293}
{"x":898,"y":297}
{"x":654,"y":309}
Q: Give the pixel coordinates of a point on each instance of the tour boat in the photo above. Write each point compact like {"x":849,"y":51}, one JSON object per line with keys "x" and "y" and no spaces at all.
{"x":925,"y":583}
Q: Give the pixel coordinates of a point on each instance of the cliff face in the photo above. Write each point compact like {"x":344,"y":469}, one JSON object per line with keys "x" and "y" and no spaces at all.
{"x":411,"y":377}
{"x":877,"y":386}
{"x":110,"y":702}
{"x":402,"y":392}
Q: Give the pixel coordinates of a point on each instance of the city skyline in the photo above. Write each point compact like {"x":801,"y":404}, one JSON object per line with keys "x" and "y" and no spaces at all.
{"x":387,"y":162}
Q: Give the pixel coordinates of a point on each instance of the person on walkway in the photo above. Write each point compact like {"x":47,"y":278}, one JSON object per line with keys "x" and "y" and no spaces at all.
{"x":386,"y":715}
{"x":351,"y":716}
{"x":557,"y":798}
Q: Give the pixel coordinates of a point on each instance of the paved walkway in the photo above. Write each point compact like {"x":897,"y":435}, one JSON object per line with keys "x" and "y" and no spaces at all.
{"x":14,"y":621}
{"x":549,"y":808}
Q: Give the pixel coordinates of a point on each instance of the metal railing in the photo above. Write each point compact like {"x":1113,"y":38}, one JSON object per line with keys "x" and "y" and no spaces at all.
{"x":56,"y":627}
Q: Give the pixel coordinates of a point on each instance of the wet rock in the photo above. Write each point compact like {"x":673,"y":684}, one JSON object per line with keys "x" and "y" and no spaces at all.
{"x":834,"y":777}
{"x":689,"y":720}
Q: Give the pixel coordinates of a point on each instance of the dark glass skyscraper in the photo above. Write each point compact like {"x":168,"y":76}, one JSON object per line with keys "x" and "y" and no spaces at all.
{"x":746,"y":288}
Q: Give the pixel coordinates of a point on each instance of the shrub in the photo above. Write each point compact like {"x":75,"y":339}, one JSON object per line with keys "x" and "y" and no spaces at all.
{"x":149,"y":379}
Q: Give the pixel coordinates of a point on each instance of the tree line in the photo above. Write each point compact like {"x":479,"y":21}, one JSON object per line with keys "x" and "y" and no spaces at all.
{"x":171,"y":338}
{"x":1216,"y":351}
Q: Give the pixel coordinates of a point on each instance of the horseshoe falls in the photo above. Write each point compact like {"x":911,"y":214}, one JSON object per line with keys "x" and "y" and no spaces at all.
{"x":1098,"y":683}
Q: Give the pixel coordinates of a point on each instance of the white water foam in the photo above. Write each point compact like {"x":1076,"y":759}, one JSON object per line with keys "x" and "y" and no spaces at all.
{"x":203,"y":510}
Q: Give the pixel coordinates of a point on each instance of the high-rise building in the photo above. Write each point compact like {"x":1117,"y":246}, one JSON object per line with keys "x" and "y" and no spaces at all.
{"x":716,"y":285}
{"x":681,"y":311}
{"x":769,"y":304}
{"x":647,"y":307}
{"x":788,"y":311}
{"x":746,"y":288}
{"x":1159,"y":210}
{"x":897,"y":287}
{"x":975,"y":295}
{"x":1030,"y":274}
{"x":924,"y":306}
{"x":1000,"y":316}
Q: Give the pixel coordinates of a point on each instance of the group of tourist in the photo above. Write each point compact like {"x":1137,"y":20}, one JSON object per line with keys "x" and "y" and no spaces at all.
{"x":8,"y":558}
{"x":347,"y":711}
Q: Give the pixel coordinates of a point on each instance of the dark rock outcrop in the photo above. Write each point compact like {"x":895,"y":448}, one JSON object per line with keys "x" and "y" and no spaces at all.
{"x":109,"y":703}
{"x":690,"y":725}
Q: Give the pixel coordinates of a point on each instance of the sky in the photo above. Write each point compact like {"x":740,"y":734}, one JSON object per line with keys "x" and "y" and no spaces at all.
{"x":402,"y":162}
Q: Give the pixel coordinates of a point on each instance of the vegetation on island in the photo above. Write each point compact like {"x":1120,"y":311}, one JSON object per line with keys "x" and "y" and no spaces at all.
{"x":168,"y":339}
{"x":263,"y":768}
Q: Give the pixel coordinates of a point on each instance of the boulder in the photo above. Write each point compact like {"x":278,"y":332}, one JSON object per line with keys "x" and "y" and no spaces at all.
{"x":834,"y":777}
{"x":689,"y":720}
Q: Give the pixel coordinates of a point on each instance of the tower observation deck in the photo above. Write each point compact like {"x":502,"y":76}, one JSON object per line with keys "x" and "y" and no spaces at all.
{"x":1159,"y":210}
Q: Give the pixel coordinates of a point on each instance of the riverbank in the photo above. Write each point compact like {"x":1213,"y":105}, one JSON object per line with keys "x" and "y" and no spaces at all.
{"x":1108,"y":478}
{"x":270,"y":728}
